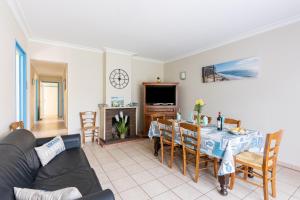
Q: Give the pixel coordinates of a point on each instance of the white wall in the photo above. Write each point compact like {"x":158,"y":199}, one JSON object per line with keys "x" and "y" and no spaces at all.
{"x":84,"y":78}
{"x":117,"y":61}
{"x":268,"y":103}
{"x":143,"y":71}
{"x":9,"y":33}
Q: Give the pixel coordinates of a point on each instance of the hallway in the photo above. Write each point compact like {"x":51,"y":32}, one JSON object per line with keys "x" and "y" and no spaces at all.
{"x":50,"y":127}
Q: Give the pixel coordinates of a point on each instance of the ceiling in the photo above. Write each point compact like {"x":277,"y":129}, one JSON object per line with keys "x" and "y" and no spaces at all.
{"x":45,"y":68}
{"x":157,"y":29}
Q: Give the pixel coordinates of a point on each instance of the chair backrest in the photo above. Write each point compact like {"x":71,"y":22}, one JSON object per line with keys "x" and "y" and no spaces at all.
{"x":190,"y":137}
{"x":16,"y":125}
{"x":233,"y":121}
{"x":87,"y":119}
{"x":166,"y":129}
{"x":209,"y":118}
{"x":271,"y":149}
{"x":156,"y":116}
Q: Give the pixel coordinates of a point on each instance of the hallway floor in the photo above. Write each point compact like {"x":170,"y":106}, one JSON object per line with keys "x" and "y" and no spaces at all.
{"x":50,"y":127}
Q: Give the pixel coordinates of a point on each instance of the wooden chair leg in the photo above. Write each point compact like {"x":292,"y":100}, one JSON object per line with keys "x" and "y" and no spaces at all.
{"x":232,"y":180}
{"x":197,"y":168}
{"x":183,"y":161}
{"x":215,"y":167}
{"x":273,"y":181}
{"x":232,"y":175}
{"x":246,"y":168}
{"x":265,"y":185}
{"x":162,"y":150}
{"x":172,"y":156}
{"x":83,"y":137}
{"x":206,"y":164}
{"x":93,"y":137}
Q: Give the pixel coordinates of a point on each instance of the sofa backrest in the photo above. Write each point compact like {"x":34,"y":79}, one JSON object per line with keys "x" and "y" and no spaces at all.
{"x":19,"y":163}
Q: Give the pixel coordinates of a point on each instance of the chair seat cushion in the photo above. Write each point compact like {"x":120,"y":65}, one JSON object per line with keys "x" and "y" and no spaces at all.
{"x":251,"y":158}
{"x":85,"y":180}
{"x":65,"y":162}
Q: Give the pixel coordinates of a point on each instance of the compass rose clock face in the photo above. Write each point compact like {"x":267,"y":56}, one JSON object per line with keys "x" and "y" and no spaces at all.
{"x":119,"y":78}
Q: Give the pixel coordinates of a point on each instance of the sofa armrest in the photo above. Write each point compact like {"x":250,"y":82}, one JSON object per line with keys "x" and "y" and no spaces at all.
{"x":103,"y":195}
{"x":70,"y":141}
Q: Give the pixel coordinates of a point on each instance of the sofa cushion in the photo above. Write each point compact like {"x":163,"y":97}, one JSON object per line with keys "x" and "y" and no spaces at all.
{"x":62,"y":194}
{"x":49,"y":150}
{"x":18,"y":162}
{"x":64,"y":163}
{"x":84,"y":179}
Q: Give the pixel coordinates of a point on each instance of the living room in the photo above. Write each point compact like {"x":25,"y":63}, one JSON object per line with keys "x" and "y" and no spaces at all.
{"x":149,"y":62}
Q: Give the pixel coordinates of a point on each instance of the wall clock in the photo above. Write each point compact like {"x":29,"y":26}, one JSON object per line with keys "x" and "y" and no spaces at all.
{"x":119,"y":78}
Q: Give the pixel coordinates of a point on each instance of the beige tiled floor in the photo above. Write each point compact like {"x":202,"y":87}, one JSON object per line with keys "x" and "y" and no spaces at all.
{"x":132,"y":172}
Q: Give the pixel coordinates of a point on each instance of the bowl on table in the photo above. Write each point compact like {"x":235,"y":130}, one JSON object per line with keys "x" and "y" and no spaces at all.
{"x":238,"y":131}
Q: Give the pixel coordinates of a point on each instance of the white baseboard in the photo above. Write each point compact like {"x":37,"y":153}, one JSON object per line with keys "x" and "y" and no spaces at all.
{"x":290,"y":166}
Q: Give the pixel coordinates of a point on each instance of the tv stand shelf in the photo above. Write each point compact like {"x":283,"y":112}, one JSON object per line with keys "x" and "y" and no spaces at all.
{"x":164,"y":108}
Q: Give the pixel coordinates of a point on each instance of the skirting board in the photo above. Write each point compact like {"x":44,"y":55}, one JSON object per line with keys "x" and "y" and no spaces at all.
{"x":293,"y":167}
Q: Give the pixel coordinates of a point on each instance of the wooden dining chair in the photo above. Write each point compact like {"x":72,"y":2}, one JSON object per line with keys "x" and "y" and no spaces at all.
{"x":16,"y":125}
{"x":167,"y":138}
{"x":156,"y":116}
{"x":88,"y":125}
{"x":209,"y":118}
{"x":191,"y":141}
{"x":264,"y":165}
{"x":233,"y":122}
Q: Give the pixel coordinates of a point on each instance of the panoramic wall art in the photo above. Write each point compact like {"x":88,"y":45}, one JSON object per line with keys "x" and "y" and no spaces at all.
{"x":232,"y":70}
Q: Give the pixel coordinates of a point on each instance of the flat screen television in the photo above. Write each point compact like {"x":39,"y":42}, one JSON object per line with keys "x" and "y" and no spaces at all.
{"x":160,"y":95}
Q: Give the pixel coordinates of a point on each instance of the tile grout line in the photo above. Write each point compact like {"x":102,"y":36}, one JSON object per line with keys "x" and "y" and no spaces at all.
{"x":155,"y":178}
{"x":146,"y":155}
{"x":292,"y":195}
{"x":139,"y":185}
{"x":136,"y":181}
{"x":129,"y":174}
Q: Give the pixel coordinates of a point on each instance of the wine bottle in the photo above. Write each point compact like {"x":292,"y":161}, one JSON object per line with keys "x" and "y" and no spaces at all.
{"x":219,"y":122}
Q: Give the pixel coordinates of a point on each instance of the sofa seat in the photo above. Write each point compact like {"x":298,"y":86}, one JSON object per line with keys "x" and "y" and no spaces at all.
{"x":84,"y":179}
{"x":67,"y":161}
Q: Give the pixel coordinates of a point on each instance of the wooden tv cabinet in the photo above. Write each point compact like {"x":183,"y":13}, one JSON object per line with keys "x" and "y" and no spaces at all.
{"x":168,"y":110}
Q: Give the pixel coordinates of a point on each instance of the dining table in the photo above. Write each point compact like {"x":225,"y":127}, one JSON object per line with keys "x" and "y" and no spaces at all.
{"x":222,"y":144}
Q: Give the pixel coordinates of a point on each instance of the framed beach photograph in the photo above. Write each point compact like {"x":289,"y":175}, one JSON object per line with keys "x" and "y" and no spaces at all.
{"x":232,"y":70}
{"x":117,"y":101}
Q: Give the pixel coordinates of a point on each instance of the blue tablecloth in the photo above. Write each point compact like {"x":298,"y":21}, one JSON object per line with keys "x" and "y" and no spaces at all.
{"x":221,"y":144}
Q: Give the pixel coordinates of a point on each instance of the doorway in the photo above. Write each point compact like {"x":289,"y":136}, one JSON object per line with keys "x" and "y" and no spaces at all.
{"x":49,"y":98}
{"x":21,"y":85}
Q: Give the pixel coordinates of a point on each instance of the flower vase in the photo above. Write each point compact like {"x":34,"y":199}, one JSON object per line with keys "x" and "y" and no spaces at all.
{"x":122,"y":135}
{"x":198,"y":119}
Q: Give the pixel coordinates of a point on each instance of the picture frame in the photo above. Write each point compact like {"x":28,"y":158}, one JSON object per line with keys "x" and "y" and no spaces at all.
{"x":117,"y":101}
{"x":231,"y":70}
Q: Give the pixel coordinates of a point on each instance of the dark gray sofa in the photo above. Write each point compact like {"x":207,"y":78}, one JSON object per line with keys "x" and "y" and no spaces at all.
{"x":20,"y":167}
